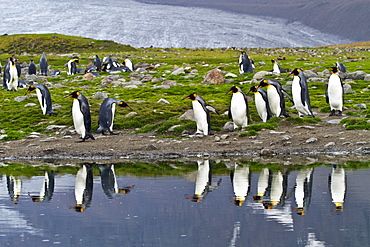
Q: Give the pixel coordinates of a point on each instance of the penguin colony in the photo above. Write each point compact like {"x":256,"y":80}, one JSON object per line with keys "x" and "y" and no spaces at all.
{"x":269,"y":103}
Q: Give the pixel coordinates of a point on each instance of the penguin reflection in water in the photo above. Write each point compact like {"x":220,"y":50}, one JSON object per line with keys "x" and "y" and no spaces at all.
{"x":106,"y":114}
{"x":334,"y":92}
{"x":337,"y":183}
{"x":300,"y":93}
{"x":201,"y":114}
{"x":240,"y":179}
{"x":238,"y":110}
{"x":203,"y":181}
{"x":83,"y":187}
{"x":303,"y":190}
{"x":43,"y":95}
{"x":14,"y":188}
{"x":47,"y":188}
{"x":109,"y":182}
{"x":81,"y":115}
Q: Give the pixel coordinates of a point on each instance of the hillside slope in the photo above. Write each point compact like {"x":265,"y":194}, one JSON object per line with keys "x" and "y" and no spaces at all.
{"x":348,"y":19}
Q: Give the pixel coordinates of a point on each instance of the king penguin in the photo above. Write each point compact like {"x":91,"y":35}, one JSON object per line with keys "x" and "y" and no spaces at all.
{"x":275,"y":97}
{"x":72,"y":66}
{"x":6,"y":77}
{"x":334,"y":92}
{"x":106,"y":114}
{"x":43,"y":95}
{"x":81,"y":115}
{"x":32,"y":68}
{"x":238,"y":110}
{"x":300,"y":93}
{"x":261,"y":102}
{"x":201,"y":113}
{"x":129,"y":64}
{"x":12,"y":83}
{"x":245,"y":63}
{"x":97,"y":63}
{"x":44,"y":64}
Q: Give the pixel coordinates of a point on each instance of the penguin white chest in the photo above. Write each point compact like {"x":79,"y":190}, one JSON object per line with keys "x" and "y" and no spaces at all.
{"x":113,"y":111}
{"x":78,"y":118}
{"x":261,"y":106}
{"x":274,"y":100}
{"x":13,"y":82}
{"x":41,"y":101}
{"x":335,"y":93}
{"x":276,"y":69}
{"x":201,"y":117}
{"x":239,"y":109}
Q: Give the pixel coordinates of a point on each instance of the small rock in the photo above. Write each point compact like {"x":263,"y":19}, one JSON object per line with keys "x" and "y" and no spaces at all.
{"x":172,"y":129}
{"x":100,"y":96}
{"x":225,"y":136}
{"x":361,"y":106}
{"x":163,"y":101}
{"x":189,"y":115}
{"x":311,"y":140}
{"x":217,"y":139}
{"x":334,"y":121}
{"x":131,"y":114}
{"x":266,"y":151}
{"x":229,"y":126}
{"x":330,"y":144}
{"x":20,"y":98}
{"x":213,"y":77}
{"x":29,"y":104}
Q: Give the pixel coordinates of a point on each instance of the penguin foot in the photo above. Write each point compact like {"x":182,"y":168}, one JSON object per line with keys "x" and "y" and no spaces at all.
{"x":81,"y":140}
{"x":332,"y":113}
{"x":112,"y":133}
{"x":339,"y":113}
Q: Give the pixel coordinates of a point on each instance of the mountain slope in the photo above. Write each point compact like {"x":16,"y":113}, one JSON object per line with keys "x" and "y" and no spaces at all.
{"x":349,"y":19}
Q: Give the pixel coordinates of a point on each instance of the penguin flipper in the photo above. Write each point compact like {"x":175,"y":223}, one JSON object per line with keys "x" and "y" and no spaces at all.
{"x":211,"y":108}
{"x":285,"y":93}
{"x":327,"y":95}
{"x":229,"y":114}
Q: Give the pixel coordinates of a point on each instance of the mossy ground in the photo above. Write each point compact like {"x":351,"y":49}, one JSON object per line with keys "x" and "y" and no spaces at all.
{"x":18,"y":121}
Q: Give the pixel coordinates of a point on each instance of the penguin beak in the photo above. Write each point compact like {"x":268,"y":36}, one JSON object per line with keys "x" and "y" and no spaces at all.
{"x":68,"y":96}
{"x":185,"y":98}
{"x":229,"y":92}
{"x":27,"y":92}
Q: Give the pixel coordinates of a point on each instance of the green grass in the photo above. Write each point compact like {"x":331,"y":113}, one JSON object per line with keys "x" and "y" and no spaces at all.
{"x":18,"y":121}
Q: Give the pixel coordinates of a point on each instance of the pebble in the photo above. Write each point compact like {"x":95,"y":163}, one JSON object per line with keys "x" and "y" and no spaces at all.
{"x":330,"y":144}
{"x":311,"y":140}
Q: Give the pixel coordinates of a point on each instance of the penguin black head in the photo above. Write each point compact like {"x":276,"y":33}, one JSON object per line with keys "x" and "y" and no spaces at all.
{"x":191,"y":96}
{"x":124,"y":104}
{"x":295,"y":72}
{"x":273,"y":61}
{"x":253,"y":89}
{"x":263,"y":83}
{"x":334,"y":69}
{"x":30,"y":88}
{"x":76,"y":59}
{"x":74,"y":95}
{"x":233,"y":89}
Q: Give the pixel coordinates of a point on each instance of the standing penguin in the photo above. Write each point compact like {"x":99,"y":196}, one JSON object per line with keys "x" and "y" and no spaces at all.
{"x":238,"y":110}
{"x":334,"y":92}
{"x":43,"y":95}
{"x":106,"y":114}
{"x":72,"y":66}
{"x":97,"y":63}
{"x":201,"y":113}
{"x":261,"y":102}
{"x":245,"y":63}
{"x":276,"y":67}
{"x":81,"y":115}
{"x":129,"y":64}
{"x":32,"y":68}
{"x":341,"y":67}
{"x":6,"y":77}
{"x":44,"y":64}
{"x":12,"y":83}
{"x":275,"y":97}
{"x":300,"y":93}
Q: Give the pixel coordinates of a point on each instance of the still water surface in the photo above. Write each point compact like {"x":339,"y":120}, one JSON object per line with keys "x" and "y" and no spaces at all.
{"x":223,"y":204}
